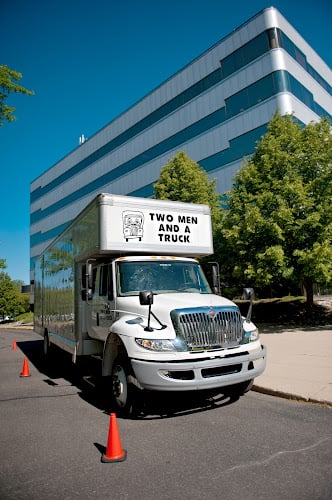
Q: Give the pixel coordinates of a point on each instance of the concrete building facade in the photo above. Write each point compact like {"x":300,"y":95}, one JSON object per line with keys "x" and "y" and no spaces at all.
{"x":215,"y":109}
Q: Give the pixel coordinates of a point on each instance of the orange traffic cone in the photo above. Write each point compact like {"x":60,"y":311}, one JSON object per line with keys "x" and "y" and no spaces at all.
{"x":114,"y":451}
{"x":25,"y":369}
{"x":14,"y":346}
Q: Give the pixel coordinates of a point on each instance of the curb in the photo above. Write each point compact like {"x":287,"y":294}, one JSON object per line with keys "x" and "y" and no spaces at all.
{"x":16,"y":327}
{"x":289,"y":396}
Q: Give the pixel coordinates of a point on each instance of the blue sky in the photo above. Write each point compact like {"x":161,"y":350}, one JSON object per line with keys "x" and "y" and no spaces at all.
{"x":88,"y":61}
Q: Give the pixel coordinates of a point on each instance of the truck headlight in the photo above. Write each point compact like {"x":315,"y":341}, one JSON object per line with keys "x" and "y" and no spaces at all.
{"x":251,"y":335}
{"x":162,"y":345}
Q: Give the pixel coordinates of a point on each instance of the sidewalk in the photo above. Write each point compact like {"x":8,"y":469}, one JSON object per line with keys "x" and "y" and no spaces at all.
{"x":299,"y":363}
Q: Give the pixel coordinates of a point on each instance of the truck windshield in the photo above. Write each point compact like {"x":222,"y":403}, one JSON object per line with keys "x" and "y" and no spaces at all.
{"x":160,"y":277}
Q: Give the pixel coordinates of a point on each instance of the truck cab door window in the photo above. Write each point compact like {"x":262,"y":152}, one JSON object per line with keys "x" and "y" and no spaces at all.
{"x":106,"y":282}
{"x":103,"y":281}
{"x":101,"y":310}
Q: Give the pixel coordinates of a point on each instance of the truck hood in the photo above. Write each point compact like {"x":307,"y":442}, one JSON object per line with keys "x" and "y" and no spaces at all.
{"x":162,"y":306}
{"x":170,"y":301}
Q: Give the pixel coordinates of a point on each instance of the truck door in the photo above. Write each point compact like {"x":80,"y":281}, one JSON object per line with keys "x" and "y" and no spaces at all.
{"x":101,"y":307}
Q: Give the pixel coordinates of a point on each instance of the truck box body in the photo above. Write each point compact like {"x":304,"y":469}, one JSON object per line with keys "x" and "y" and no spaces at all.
{"x":88,"y":301}
{"x":125,"y":225}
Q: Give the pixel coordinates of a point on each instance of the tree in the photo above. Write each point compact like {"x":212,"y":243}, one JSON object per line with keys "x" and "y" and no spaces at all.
{"x":8,"y":85}
{"x":278,"y":225}
{"x":11,"y":301}
{"x":182,"y":179}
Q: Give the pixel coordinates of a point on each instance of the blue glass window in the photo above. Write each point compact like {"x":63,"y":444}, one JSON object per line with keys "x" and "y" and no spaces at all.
{"x":244,"y":55}
{"x":298,"y":55}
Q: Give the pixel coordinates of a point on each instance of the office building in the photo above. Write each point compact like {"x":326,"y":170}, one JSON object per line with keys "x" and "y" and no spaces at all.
{"x":215,"y":109}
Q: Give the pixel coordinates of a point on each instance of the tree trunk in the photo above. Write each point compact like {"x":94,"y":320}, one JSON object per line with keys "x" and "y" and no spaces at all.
{"x":309,"y":291}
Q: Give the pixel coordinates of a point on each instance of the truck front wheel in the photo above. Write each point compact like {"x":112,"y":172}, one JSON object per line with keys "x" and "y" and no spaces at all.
{"x":124,"y":393}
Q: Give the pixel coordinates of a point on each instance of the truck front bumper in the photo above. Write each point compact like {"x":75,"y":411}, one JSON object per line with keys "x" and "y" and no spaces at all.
{"x":201,"y":374}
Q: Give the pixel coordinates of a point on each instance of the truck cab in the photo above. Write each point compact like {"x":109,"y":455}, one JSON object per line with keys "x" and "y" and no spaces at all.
{"x":163,"y":329}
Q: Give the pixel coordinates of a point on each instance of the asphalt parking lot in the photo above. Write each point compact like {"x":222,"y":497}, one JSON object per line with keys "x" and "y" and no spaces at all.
{"x":54,"y":431}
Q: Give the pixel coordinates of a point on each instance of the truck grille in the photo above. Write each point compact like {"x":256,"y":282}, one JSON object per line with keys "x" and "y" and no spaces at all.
{"x":208,"y":327}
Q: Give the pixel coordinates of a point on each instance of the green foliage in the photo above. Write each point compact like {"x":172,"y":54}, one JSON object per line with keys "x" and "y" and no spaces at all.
{"x":8,"y":85}
{"x":278,"y":225}
{"x":287,"y":311}
{"x":12,"y":301}
{"x":25,"y":318}
{"x":17,"y":284}
{"x":182,"y":179}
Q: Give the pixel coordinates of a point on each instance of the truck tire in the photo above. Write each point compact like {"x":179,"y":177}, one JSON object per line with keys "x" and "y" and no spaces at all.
{"x":124,"y":394}
{"x":47,"y":346}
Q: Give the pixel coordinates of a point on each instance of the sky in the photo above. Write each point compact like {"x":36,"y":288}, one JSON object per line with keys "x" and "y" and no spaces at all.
{"x":88,"y":62}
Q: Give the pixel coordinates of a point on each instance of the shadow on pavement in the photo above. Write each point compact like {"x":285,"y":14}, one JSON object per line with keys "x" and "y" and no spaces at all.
{"x":170,"y":405}
{"x":85,"y":376}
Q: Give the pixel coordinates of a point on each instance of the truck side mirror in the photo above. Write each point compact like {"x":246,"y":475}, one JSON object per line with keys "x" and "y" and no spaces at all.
{"x":216,"y":288}
{"x":89,"y":275}
{"x":86,"y":294}
{"x":248,"y":294}
{"x":87,"y":281}
{"x":146,"y":298}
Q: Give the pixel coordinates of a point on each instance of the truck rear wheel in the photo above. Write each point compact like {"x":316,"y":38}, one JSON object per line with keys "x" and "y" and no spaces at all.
{"x":47,"y":346}
{"x":124,"y":393}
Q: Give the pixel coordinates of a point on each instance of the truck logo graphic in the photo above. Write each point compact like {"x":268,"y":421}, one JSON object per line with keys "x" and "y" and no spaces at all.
{"x":132,"y":225}
{"x":212,"y":313}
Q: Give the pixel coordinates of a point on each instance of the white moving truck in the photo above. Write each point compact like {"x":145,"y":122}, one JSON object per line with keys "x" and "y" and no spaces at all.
{"x":123,"y":283}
